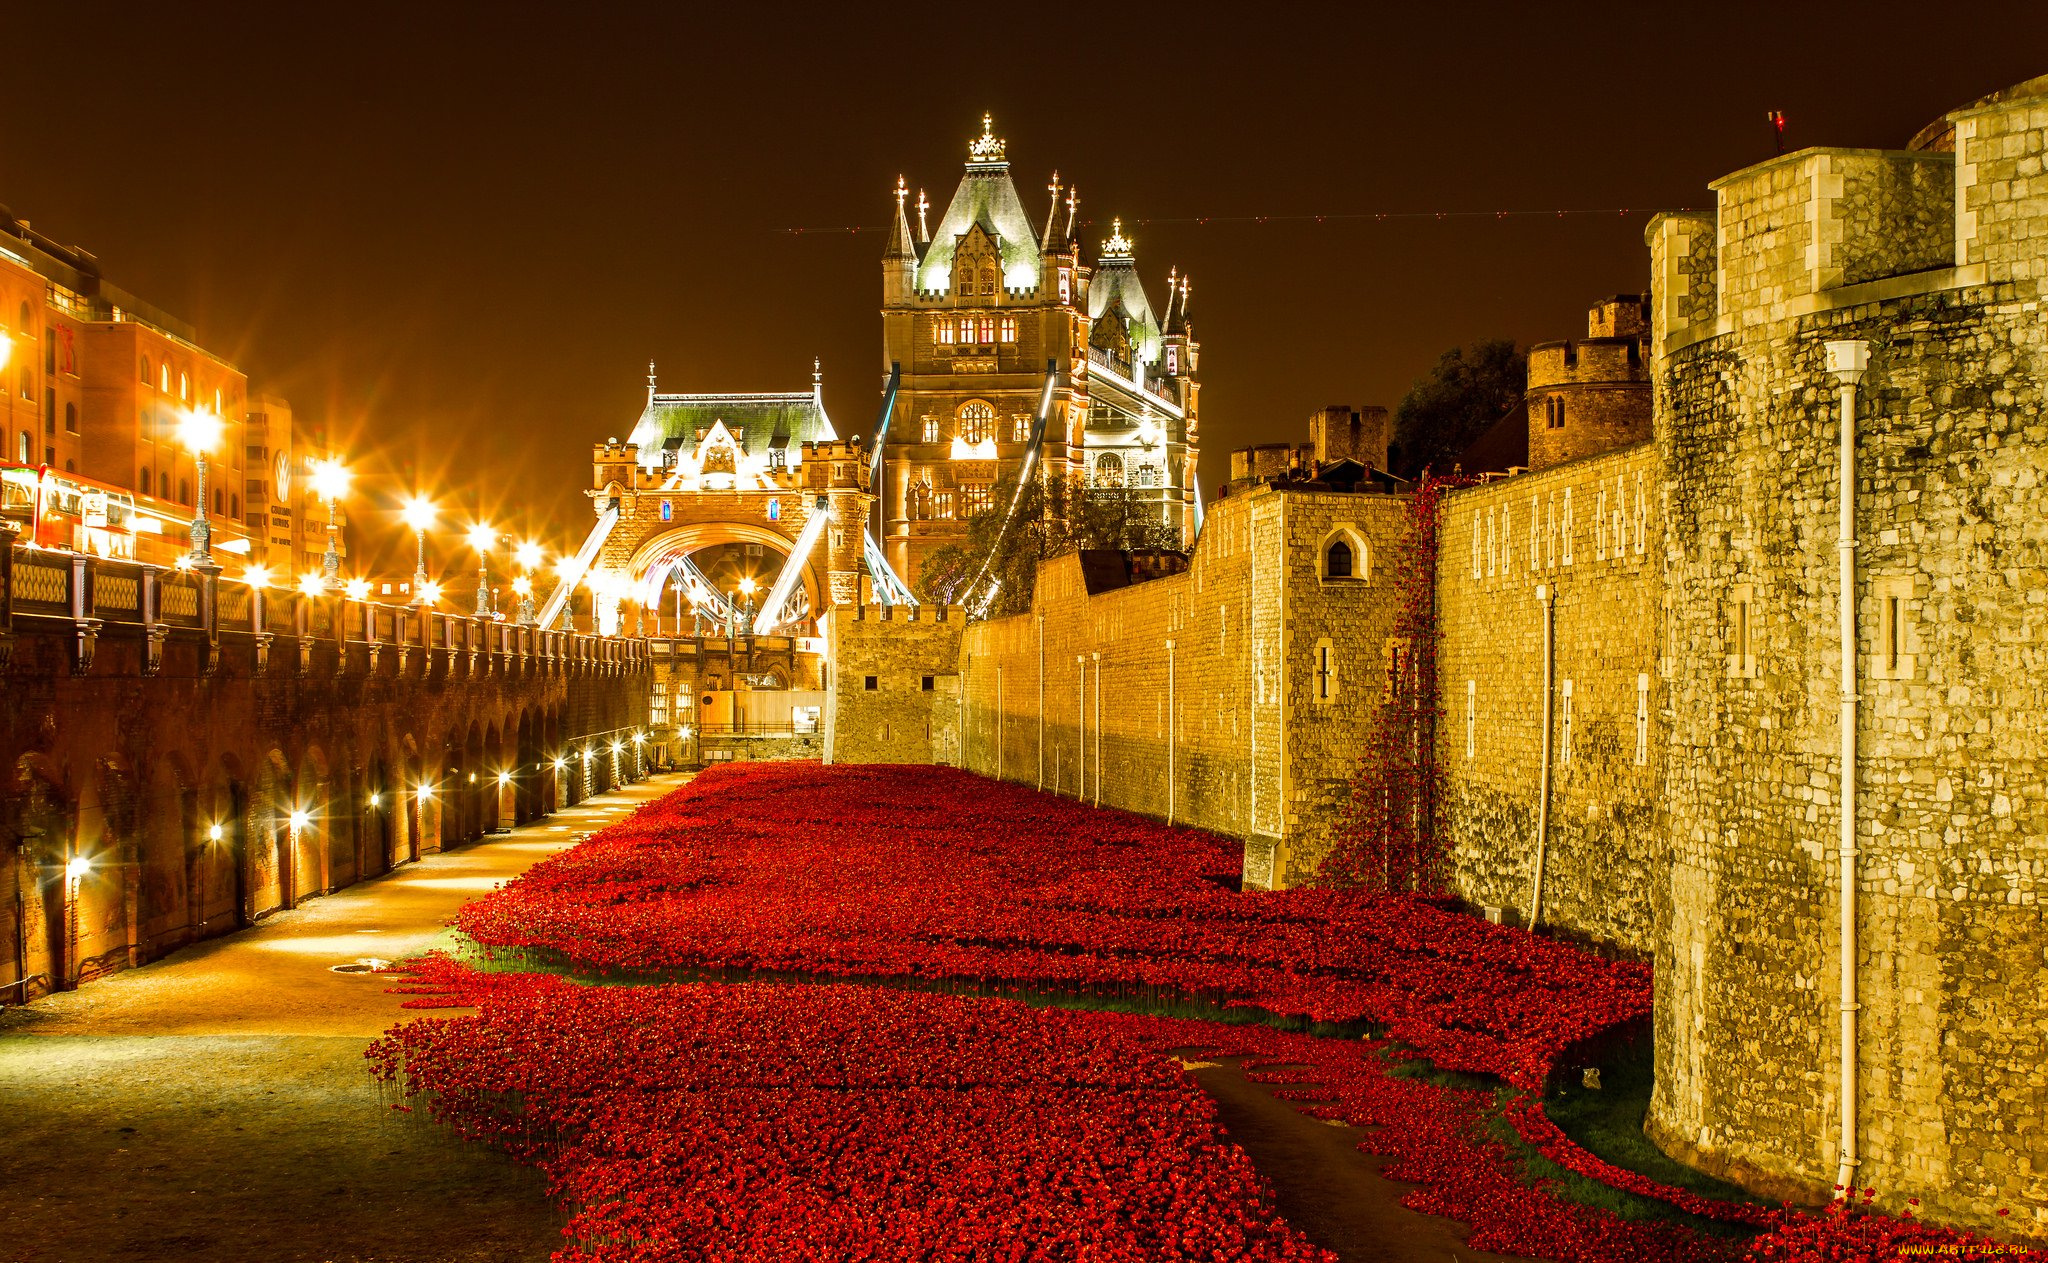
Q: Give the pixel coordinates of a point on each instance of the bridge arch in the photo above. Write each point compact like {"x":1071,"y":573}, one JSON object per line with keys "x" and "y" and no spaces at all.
{"x":687,"y":538}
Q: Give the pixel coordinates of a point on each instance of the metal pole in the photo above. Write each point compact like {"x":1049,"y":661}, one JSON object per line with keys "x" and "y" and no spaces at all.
{"x":419,"y":573}
{"x":330,"y":565}
{"x":1098,"y":727}
{"x":1081,"y":732}
{"x":202,"y":533}
{"x":1170,"y":745}
{"x":1545,"y":596}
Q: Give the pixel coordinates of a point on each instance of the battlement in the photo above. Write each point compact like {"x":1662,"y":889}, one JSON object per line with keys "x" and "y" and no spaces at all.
{"x":611,"y":451}
{"x":955,"y":614}
{"x":1600,"y":360}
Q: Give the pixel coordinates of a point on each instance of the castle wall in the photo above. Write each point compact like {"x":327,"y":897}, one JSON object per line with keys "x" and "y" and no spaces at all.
{"x":1234,"y":697}
{"x":1951,"y":838}
{"x":1589,"y":534}
{"x":892,"y":684}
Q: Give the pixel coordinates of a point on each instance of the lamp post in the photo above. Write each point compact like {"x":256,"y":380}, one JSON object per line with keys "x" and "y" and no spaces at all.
{"x":747,"y":590}
{"x":481,"y":537}
{"x":330,"y":483}
{"x":419,"y":515}
{"x":530,"y":557}
{"x":200,"y":431}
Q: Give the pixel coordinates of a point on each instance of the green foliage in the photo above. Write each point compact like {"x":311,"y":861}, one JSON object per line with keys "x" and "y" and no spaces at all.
{"x":1469,"y":389}
{"x":1052,"y":520}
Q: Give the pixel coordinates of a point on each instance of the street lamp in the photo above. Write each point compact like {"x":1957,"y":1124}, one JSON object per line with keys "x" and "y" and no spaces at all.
{"x":419,"y":513}
{"x":312,"y":583}
{"x":481,"y":537}
{"x":747,"y":589}
{"x":200,"y":432}
{"x":530,"y":557}
{"x":330,"y":483}
{"x":357,"y":589}
{"x":430,"y":592}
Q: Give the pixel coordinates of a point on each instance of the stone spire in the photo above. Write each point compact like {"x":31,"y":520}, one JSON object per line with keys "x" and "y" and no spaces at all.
{"x":1052,"y":214}
{"x":901,"y":246}
{"x":650,"y":383}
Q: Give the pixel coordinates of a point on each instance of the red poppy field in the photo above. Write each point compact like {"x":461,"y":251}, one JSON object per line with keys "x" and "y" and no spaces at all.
{"x":876,"y":1118}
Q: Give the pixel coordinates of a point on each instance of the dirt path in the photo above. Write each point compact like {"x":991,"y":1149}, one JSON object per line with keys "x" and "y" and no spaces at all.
{"x":215,"y":1105}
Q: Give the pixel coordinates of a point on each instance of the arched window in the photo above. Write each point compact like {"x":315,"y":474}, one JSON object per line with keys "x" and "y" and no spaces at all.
{"x":986,"y":327}
{"x":942,"y":332}
{"x":1337,"y":560}
{"x":1109,"y":470}
{"x":184,"y":386}
{"x":163,"y":487}
{"x":184,"y":492}
{"x":1020,"y":428}
{"x":1146,"y":475}
{"x":71,"y":418}
{"x":27,"y":320}
{"x":70,"y":466}
{"x":234,"y":506}
{"x":967,"y":330}
{"x":21,"y":447}
{"x":920,"y":502}
{"x":988,"y":281}
{"x":977,"y":421}
{"x":216,"y":501}
{"x":931,"y":429}
{"x":1009,"y":329}
{"x":1553,"y":412}
{"x":148,"y":377}
{"x":163,"y":377}
{"x":145,"y":482}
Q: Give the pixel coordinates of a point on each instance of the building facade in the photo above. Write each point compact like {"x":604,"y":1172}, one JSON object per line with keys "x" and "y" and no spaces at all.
{"x":94,"y":381}
{"x":989,"y":310}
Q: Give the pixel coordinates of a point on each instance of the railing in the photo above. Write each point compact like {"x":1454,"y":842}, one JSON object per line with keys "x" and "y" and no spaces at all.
{"x":754,"y":730}
{"x":95,"y":596}
{"x":1168,"y":393}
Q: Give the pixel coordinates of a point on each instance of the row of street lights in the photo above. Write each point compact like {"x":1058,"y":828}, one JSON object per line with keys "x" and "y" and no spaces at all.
{"x":200,"y":431}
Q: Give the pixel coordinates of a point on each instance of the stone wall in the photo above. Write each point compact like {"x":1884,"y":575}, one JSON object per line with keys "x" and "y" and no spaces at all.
{"x":208,"y":774}
{"x":1951,"y":838}
{"x":892,"y":684}
{"x":1235,"y":696}
{"x":1582,"y":541}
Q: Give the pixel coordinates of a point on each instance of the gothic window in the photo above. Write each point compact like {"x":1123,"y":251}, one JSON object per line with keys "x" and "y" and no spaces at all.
{"x":1172,"y":360}
{"x":163,"y":377}
{"x":26,"y":319}
{"x":920,"y":502}
{"x":986,"y":326}
{"x":974,"y":498}
{"x":147,"y":375}
{"x":1337,"y":560}
{"x":1020,"y":428}
{"x":163,"y":486}
{"x":1066,"y":286}
{"x":988,"y":280}
{"x":977,"y":421}
{"x":184,"y":386}
{"x":1009,"y":332}
{"x":967,"y":331}
{"x":21,"y":447}
{"x":1147,"y":475}
{"x":28,"y":383}
{"x":184,"y":492}
{"x":1109,"y":470}
{"x":144,"y":481}
{"x":942,"y":505}
{"x":942,"y":332}
{"x":1553,"y":412}
{"x":931,"y":429}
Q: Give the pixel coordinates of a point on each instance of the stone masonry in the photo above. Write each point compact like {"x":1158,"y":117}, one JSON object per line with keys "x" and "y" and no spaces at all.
{"x":892,"y":686}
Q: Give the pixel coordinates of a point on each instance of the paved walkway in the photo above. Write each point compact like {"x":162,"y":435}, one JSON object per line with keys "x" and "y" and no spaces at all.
{"x":215,"y":1105}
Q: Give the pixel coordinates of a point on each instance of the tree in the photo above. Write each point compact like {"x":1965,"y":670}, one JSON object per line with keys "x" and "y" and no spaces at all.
{"x":1051,"y":522}
{"x":1452,"y":404}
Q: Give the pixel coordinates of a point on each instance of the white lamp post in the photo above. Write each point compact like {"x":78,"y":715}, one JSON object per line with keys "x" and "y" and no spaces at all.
{"x":419,"y":515}
{"x":200,"y":432}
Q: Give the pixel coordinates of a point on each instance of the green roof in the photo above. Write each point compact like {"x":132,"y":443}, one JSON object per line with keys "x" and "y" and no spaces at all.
{"x":988,"y":197}
{"x":758,"y":422}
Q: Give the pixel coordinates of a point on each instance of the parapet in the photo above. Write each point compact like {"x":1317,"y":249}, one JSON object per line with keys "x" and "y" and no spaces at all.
{"x":879,"y":613}
{"x":1593,"y":361}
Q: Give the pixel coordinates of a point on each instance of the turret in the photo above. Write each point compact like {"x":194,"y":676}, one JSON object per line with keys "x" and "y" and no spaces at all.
{"x":899,"y":259}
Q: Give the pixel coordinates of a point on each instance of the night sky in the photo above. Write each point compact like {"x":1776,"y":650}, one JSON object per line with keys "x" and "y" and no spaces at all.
{"x":456,"y":234}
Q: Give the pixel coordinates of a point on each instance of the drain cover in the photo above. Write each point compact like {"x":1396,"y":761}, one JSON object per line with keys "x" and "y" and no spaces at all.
{"x":363,"y":965}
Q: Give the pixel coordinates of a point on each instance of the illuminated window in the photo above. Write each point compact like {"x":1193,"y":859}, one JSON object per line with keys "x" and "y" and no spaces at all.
{"x":28,"y":383}
{"x":942,"y":505}
{"x":1146,"y":476}
{"x":942,"y":330}
{"x":1009,"y":333}
{"x":657,"y":704}
{"x":1172,"y":359}
{"x":1066,"y":286}
{"x":931,"y":429}
{"x":1109,"y":470}
{"x":974,"y":498}
{"x":1020,"y":428}
{"x":21,"y":447}
{"x":184,"y":386}
{"x":977,"y":421}
{"x":987,"y":328}
{"x":163,"y":378}
{"x":967,"y":329}
{"x":988,"y":280}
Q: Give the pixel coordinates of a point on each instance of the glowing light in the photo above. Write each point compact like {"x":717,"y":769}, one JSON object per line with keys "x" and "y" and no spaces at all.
{"x":426,"y":792}
{"x":639,"y":737}
{"x":311,"y":584}
{"x":79,"y":866}
{"x":6,"y":349}
{"x":1148,"y":432}
{"x":198,"y":431}
{"x":300,"y":820}
{"x":963,"y":450}
{"x":376,"y":800}
{"x":747,"y":585}
{"x":504,"y":778}
{"x":330,"y":479}
{"x":430,"y":592}
{"x":257,"y":576}
{"x":213,"y":833}
{"x":523,"y":586}
{"x":472,"y":778}
{"x":560,"y":764}
{"x":481,"y":537}
{"x":184,"y":561}
{"x":530,"y":555}
{"x":418,"y":512}
{"x":618,"y":746}
{"x":358,"y":589}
